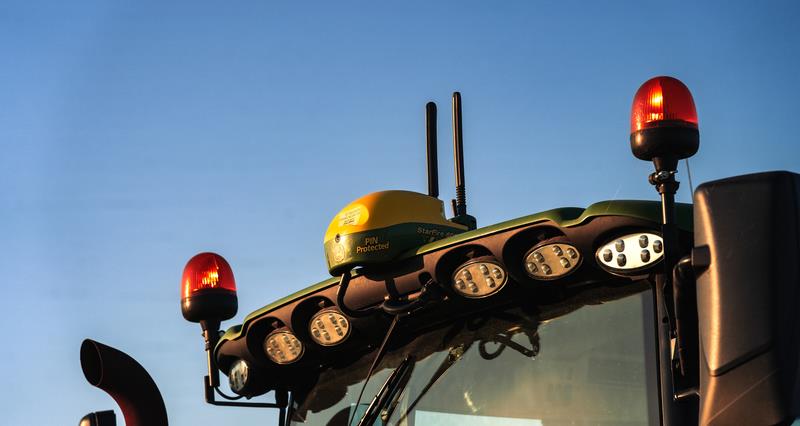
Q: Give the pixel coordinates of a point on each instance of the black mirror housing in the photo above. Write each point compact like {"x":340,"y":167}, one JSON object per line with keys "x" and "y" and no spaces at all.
{"x":748,"y":298}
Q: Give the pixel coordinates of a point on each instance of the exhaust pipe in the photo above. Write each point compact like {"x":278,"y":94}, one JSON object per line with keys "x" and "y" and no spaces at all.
{"x":126,"y":381}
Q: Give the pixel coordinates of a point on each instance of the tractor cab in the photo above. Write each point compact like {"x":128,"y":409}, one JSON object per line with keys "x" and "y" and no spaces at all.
{"x":622,"y":312}
{"x":428,"y":320}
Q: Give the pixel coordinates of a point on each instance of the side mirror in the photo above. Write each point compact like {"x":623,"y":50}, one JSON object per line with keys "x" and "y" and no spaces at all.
{"x":747,"y":229}
{"x":99,"y":418}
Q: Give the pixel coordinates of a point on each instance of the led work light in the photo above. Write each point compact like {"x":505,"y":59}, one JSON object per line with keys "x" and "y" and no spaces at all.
{"x":283,"y":347}
{"x":329,"y":327}
{"x":479,"y":278}
{"x":552,"y":261}
{"x":631,"y":253}
{"x":239,"y":376}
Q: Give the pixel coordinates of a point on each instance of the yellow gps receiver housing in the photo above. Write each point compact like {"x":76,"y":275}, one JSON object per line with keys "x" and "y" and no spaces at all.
{"x":378,"y":227}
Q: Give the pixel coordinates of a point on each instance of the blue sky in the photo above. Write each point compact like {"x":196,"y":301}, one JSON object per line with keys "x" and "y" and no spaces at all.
{"x":136,"y":134}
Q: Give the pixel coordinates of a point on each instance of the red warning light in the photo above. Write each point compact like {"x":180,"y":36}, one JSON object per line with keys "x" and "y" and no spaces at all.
{"x":208,"y":289}
{"x":207,"y":271}
{"x":663,"y":102}
{"x":664,"y":123}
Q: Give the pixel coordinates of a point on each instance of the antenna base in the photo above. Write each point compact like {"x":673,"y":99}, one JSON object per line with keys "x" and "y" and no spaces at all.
{"x":469,"y":221}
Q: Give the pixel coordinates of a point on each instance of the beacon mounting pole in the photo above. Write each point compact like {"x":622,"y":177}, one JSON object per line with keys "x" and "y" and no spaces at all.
{"x":664,"y":130}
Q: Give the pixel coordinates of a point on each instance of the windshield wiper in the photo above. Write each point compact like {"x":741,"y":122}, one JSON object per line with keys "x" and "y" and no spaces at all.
{"x":453,"y":356}
{"x":388,"y":393}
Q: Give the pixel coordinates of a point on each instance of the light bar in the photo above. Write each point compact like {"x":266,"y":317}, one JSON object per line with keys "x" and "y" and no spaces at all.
{"x":479,"y":278}
{"x":630,"y":253}
{"x":329,"y":327}
{"x":552,"y":261}
{"x":283,"y":347}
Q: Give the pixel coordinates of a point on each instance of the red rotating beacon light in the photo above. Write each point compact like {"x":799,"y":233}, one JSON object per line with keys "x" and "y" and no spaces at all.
{"x":664,"y":123}
{"x":208,"y":289}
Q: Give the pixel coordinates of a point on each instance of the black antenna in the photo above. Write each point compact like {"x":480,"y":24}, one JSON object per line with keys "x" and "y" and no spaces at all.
{"x":458,"y":153}
{"x":460,"y":203}
{"x":433,"y":159}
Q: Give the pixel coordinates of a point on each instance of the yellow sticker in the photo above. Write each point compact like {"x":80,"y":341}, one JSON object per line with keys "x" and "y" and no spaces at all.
{"x":357,"y":215}
{"x":338,"y":252}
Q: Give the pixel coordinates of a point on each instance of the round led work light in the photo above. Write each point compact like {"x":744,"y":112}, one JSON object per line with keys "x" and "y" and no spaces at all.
{"x":664,"y":123}
{"x":239,"y":376}
{"x":208,"y":289}
{"x":552,"y":261}
{"x":479,"y":278}
{"x":329,"y":327}
{"x":630,"y":254}
{"x":283,"y":347}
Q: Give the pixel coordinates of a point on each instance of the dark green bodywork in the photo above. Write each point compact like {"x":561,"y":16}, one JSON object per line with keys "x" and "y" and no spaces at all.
{"x":564,"y":217}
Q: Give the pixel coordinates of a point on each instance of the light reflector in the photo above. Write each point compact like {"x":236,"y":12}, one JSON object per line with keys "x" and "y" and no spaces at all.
{"x":283,"y":347}
{"x":479,"y":278}
{"x":329,"y":327}
{"x":630,"y":253}
{"x":552,"y":261}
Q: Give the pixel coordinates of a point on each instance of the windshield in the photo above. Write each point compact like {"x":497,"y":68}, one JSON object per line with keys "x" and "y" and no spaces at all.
{"x":594,"y":365}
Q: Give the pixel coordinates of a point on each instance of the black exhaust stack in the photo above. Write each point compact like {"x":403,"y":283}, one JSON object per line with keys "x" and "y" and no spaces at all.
{"x":126,"y":381}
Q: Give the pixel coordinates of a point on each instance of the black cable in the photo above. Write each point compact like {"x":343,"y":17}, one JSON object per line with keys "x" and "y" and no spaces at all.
{"x":689,"y":175}
{"x":375,"y":361}
{"x":429,"y":292}
{"x":230,"y":398}
{"x":344,"y":283}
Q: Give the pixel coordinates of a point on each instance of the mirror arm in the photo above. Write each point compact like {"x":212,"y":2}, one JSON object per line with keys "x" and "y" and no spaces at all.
{"x":685,"y":366}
